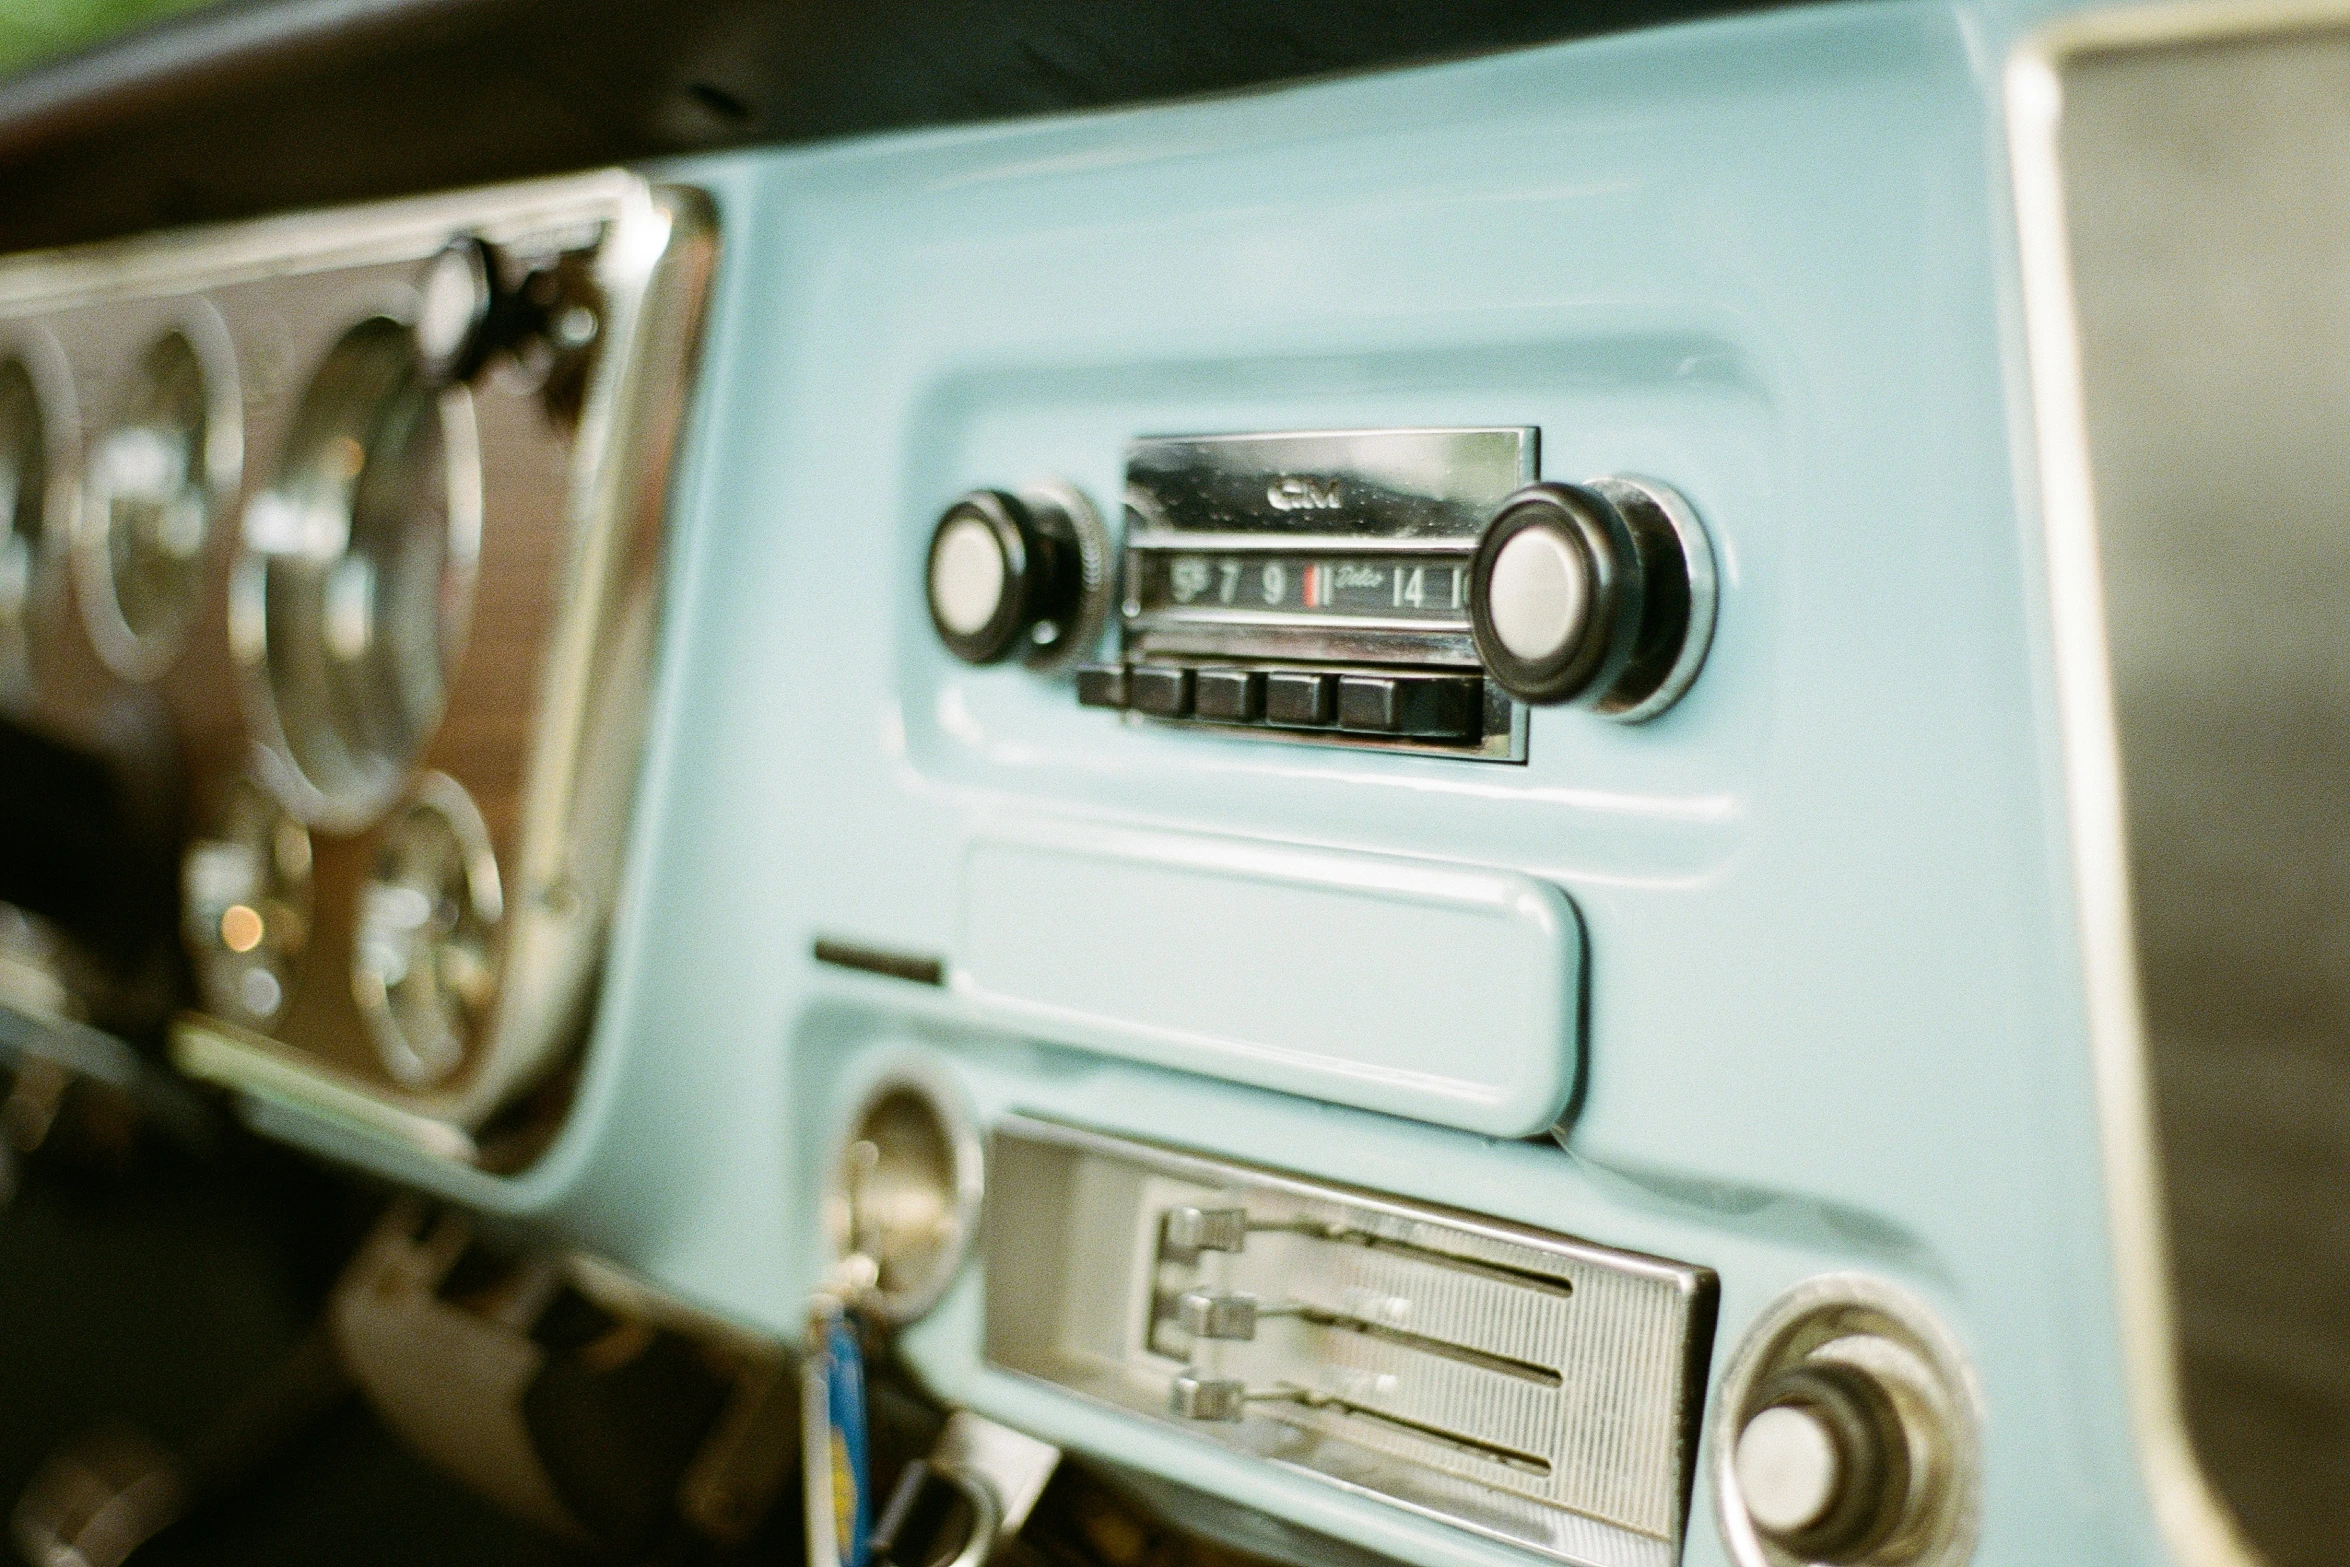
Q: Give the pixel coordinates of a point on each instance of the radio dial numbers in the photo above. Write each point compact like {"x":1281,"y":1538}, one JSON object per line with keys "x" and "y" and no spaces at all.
{"x":1376,"y":587}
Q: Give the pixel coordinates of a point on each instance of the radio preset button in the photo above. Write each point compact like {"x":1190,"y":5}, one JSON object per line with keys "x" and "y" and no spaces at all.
{"x":1102,"y":685}
{"x":1161,"y":690}
{"x":1823,"y":1467}
{"x":1233,"y":696}
{"x":1422,"y":706}
{"x":1301,"y":697}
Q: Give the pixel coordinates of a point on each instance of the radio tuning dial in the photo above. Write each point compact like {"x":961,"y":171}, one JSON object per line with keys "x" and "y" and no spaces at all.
{"x":1023,"y":574}
{"x":1601,"y":593}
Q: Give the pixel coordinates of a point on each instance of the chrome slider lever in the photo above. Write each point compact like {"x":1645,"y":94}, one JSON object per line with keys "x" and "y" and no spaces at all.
{"x":1227,"y":1314}
{"x":1224,"y":1229}
{"x":1195,"y":1397}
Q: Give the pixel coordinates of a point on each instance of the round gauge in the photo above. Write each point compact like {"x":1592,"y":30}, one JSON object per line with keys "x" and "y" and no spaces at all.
{"x":424,"y":967}
{"x":24,"y":501}
{"x":245,"y":906}
{"x":357,"y":579}
{"x":157,"y":483}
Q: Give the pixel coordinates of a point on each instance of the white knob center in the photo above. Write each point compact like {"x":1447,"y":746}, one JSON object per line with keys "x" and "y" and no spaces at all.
{"x":1789,"y":1469}
{"x":966,"y":576}
{"x":1538,"y":595}
{"x":448,"y":304}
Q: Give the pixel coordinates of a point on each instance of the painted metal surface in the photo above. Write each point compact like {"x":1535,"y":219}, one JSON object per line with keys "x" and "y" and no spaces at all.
{"x":1835,"y":1008}
{"x":1244,"y":960}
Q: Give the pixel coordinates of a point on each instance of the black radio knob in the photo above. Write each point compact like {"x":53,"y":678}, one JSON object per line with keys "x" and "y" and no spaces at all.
{"x":1019,"y":574}
{"x":1602,"y":593}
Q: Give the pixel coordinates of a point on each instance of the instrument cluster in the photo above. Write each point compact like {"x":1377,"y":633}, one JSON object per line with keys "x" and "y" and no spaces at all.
{"x":350,"y":509}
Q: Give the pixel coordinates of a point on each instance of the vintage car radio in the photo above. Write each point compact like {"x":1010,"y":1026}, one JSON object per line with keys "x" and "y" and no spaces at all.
{"x":1404,"y":589}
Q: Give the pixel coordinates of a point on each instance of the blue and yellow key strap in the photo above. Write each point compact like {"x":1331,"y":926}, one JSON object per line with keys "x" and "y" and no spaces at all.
{"x":832,"y":1410}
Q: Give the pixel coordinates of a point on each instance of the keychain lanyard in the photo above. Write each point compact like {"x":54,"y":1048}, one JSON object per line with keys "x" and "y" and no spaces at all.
{"x":835,"y":1454}
{"x":833,"y":1441}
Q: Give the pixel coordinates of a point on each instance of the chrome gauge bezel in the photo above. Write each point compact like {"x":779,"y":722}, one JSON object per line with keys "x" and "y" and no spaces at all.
{"x":351,"y":805}
{"x":478,"y":911}
{"x":36,"y":349}
{"x":943,"y":1100}
{"x":135,"y":654}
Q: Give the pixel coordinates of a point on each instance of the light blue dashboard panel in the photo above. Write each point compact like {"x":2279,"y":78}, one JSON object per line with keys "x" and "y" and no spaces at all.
{"x":1834,"y":1013}
{"x":1245,"y":960}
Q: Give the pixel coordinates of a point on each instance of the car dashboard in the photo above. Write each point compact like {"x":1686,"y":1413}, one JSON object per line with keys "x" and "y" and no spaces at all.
{"x":1516,"y":809}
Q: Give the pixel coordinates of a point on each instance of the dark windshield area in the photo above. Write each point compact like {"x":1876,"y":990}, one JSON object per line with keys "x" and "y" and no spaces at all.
{"x":252,"y":106}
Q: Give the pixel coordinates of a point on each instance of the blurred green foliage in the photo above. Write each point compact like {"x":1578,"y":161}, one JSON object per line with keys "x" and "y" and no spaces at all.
{"x":35,"y":30}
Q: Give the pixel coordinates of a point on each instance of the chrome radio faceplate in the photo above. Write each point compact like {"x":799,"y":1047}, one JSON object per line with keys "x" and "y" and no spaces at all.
{"x":1524,"y":1385}
{"x":1299,"y":572}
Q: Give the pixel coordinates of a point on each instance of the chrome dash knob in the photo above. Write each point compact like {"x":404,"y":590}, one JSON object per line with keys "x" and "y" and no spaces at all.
{"x":1204,"y":1229}
{"x":1218,"y":1314}
{"x":1823,"y":1465}
{"x":1601,"y":593}
{"x":458,"y":302}
{"x":1791,"y":1468}
{"x":1848,"y":1433}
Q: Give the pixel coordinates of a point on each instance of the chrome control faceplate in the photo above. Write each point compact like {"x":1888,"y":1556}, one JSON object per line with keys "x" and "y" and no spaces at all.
{"x":1255,"y":563}
{"x":1524,"y":1385}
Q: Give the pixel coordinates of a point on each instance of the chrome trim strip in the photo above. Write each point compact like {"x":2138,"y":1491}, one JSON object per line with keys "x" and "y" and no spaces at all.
{"x":1155,"y":619}
{"x":197,"y":259}
{"x":217,"y":1052}
{"x":589,"y":727}
{"x":1205,"y":543}
{"x":2192,"y":1520}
